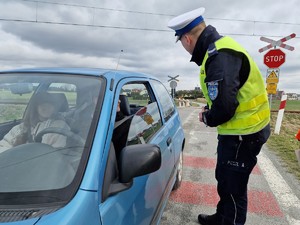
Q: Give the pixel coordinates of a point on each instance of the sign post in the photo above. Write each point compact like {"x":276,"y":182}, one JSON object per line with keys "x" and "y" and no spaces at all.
{"x":273,"y":76}
{"x":279,"y":43}
{"x":173,"y":84}
{"x":272,"y":81}
{"x":274,"y":59}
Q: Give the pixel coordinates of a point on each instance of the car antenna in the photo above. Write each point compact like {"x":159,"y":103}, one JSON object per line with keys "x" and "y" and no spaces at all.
{"x":119,"y":59}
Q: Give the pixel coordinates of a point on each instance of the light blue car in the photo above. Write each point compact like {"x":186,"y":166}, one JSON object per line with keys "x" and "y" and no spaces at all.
{"x":86,"y":147}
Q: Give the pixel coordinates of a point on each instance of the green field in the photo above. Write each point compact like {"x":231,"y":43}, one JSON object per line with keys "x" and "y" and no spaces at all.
{"x":290,"y":105}
{"x":285,"y":144}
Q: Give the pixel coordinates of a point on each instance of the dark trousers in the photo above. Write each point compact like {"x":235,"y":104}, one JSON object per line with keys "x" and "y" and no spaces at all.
{"x":236,"y":159}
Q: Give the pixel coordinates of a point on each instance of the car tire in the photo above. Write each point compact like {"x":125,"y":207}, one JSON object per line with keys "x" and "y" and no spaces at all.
{"x":179,"y":172}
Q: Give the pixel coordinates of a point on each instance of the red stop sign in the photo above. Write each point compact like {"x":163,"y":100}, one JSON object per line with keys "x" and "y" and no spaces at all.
{"x":274,"y":58}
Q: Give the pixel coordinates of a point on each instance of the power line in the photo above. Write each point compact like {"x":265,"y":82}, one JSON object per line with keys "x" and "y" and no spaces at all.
{"x":256,"y":21}
{"x":82,"y":25}
{"x":131,"y":11}
{"x":156,"y":14}
{"x":95,"y":7}
{"x":119,"y":27}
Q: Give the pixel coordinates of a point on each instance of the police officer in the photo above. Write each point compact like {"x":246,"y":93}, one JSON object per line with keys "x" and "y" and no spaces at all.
{"x":237,"y":104}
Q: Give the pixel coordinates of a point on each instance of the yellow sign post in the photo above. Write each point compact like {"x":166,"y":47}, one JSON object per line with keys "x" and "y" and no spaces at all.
{"x":273,"y":76}
{"x":271,"y":88}
{"x":272,"y":80}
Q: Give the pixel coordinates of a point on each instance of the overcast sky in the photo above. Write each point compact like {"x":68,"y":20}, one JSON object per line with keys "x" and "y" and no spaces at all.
{"x":92,"y":33}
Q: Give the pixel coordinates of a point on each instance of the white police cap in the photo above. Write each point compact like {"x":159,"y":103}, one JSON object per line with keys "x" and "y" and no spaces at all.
{"x":187,"y":21}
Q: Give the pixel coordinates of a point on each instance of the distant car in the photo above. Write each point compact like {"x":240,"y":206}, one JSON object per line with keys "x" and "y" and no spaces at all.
{"x":108,"y":170}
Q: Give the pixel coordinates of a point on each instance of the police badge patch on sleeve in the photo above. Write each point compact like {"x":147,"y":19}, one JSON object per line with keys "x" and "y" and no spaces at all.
{"x":212,"y":90}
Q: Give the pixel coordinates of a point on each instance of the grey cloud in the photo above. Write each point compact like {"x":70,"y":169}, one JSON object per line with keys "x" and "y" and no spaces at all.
{"x":152,"y":52}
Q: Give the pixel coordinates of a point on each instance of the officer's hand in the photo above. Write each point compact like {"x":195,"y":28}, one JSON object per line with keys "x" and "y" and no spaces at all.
{"x":200,"y":116}
{"x":203,"y":109}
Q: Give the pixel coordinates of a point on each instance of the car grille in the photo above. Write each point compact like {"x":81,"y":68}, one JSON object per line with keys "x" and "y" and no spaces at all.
{"x":18,"y":215}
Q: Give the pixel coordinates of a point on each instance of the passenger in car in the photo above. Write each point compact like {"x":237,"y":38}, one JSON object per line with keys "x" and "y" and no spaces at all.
{"x":80,"y":118}
{"x":42,"y":112}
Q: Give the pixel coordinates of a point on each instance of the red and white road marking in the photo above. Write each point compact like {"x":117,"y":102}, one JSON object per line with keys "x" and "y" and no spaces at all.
{"x":260,"y":202}
{"x":271,"y":200}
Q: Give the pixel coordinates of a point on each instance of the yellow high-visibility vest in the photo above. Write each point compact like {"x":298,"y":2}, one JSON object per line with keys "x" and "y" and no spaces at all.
{"x":253,"y":112}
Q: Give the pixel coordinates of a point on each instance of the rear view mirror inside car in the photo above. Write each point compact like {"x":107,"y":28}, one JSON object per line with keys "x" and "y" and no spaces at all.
{"x":21,"y":88}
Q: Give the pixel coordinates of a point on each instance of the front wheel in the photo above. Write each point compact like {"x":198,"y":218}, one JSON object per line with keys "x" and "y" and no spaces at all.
{"x":179,"y":172}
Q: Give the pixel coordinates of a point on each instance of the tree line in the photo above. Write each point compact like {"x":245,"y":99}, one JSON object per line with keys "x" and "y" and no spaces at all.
{"x":189,"y":94}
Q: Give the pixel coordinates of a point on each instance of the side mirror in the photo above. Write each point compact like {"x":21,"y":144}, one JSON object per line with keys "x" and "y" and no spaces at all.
{"x":138,"y":160}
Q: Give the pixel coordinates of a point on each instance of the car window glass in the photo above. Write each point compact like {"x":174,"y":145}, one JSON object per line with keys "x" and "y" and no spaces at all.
{"x":13,"y":101}
{"x":45,"y":122}
{"x":165,"y":99}
{"x":68,"y":90}
{"x":137,"y":95}
{"x":145,"y":123}
{"x":139,"y":118}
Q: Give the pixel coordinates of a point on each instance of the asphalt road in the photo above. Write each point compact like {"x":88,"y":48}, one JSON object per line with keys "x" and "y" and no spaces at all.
{"x":274,"y":195}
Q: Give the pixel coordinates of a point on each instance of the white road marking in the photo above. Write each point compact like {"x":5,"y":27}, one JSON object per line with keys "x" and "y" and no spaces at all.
{"x":190,"y":117}
{"x":282,"y":191}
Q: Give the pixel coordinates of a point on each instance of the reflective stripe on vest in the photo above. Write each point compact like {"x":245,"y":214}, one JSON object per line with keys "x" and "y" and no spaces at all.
{"x":253,"y":112}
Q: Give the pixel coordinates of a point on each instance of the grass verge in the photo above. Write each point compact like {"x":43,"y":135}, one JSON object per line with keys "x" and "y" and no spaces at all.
{"x":285,"y":144}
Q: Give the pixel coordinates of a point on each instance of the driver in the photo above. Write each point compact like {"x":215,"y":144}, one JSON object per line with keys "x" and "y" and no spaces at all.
{"x":42,"y":113}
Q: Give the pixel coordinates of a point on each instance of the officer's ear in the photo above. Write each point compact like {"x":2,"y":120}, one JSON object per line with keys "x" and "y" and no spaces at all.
{"x":186,"y":38}
{"x":190,"y":40}
{"x":188,"y":43}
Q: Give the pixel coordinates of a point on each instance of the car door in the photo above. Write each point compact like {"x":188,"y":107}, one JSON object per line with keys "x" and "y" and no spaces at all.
{"x":171,"y":119}
{"x":139,"y":203}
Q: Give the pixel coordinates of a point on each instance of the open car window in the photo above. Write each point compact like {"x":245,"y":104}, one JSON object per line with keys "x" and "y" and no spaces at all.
{"x":139,"y":118}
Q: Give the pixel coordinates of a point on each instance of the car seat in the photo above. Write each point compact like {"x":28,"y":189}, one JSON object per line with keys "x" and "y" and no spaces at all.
{"x":124,"y":105}
{"x":62,"y":102}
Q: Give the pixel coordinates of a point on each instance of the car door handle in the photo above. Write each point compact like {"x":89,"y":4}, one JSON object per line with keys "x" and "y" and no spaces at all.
{"x":169,"y":140}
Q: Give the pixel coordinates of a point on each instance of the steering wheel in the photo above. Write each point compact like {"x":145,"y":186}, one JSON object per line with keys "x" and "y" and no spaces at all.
{"x":74,"y":137}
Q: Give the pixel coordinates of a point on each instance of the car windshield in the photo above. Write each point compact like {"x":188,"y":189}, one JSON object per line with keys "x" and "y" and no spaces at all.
{"x":47,"y":123}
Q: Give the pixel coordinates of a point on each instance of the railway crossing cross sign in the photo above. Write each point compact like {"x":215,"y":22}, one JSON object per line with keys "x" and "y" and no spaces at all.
{"x":173,"y":78}
{"x":278,"y":43}
{"x":173,"y":84}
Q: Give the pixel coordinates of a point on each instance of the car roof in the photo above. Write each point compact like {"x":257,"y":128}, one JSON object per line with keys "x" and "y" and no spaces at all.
{"x":109,"y":73}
